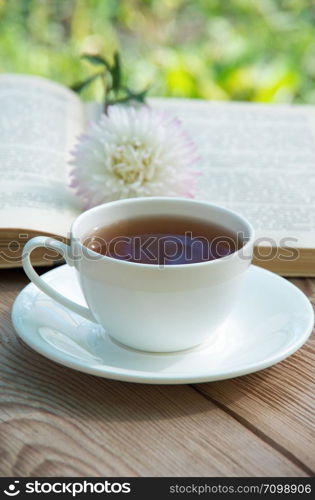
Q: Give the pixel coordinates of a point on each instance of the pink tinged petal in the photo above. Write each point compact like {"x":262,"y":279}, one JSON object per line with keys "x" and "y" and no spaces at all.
{"x":74,"y":183}
{"x":121,"y":126}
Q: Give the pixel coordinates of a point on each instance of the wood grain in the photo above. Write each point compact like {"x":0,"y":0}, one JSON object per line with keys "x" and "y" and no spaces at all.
{"x":278,"y":403}
{"x":55,"y":421}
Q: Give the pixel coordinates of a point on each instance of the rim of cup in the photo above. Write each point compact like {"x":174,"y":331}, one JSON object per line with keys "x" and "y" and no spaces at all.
{"x":248,"y":230}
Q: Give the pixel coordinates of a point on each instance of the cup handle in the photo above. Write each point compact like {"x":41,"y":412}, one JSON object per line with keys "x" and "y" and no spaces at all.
{"x":63,"y":249}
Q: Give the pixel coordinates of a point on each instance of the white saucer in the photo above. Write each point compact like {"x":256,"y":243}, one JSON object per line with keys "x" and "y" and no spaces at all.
{"x":271,"y":320}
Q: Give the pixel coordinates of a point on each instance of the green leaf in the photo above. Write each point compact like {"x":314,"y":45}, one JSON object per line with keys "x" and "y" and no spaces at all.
{"x":96,"y":60}
{"x":79,"y":86}
{"x":121,"y":100}
{"x":116,"y":72}
{"x":138,"y":97}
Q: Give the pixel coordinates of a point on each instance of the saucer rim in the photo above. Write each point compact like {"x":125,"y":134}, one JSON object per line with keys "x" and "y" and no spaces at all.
{"x":130,"y":375}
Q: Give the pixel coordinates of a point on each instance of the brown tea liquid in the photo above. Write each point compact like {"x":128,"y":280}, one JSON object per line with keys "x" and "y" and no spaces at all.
{"x":163,"y":240}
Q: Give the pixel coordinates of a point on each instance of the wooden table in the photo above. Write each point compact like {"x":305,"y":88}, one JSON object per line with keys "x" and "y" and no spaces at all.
{"x":55,"y":421}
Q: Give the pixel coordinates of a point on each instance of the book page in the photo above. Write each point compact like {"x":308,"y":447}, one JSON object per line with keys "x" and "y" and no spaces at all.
{"x":256,"y":159}
{"x":39,"y":122}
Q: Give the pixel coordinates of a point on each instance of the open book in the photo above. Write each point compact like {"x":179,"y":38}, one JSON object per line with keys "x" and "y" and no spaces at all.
{"x":256,"y":159}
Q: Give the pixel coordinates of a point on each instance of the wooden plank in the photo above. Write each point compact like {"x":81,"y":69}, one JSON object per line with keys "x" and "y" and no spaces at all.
{"x":55,"y":421}
{"x":278,"y":402}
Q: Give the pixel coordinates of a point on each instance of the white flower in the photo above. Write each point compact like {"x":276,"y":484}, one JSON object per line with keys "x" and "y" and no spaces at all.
{"x":133,"y":152}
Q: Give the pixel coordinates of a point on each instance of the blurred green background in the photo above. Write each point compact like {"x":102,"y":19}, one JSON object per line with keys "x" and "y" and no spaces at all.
{"x":256,"y":50}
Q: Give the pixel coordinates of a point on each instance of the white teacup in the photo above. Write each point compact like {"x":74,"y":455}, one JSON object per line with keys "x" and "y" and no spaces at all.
{"x":145,"y":306}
